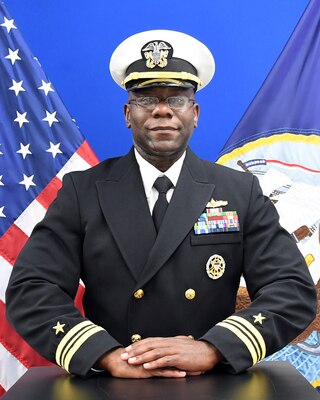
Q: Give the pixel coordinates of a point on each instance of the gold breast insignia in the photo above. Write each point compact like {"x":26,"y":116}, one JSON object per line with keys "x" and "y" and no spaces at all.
{"x":215,"y":266}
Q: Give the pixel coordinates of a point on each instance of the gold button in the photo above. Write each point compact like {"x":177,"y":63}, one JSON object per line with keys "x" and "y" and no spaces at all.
{"x":135,"y":338}
{"x":138,"y":294}
{"x":190,"y":294}
{"x":191,"y":337}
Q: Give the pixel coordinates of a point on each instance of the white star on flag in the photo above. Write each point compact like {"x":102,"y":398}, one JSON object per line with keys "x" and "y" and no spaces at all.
{"x":13,"y":56}
{"x":27,"y":181}
{"x":21,"y":118}
{"x":1,"y":152}
{"x":17,"y":87}
{"x":2,"y":214}
{"x":46,"y":87}
{"x":8,"y":23}
{"x":50,"y":118}
{"x":24,"y":150}
{"x":54,"y":149}
{"x":1,"y":183}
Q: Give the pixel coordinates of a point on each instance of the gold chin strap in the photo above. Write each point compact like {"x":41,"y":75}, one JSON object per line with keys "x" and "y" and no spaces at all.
{"x":151,"y":81}
{"x":160,"y":76}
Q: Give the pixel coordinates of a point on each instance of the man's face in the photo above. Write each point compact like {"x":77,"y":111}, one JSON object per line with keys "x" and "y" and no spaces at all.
{"x":163,"y":131}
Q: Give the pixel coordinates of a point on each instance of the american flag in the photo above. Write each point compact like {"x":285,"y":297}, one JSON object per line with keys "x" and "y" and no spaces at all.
{"x":39,"y":143}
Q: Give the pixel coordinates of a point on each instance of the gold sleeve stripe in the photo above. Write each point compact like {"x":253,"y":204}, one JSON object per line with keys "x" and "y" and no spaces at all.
{"x":79,"y":343}
{"x":248,"y":335}
{"x":73,"y":340}
{"x":243,"y":338}
{"x":68,"y":337}
{"x":254,"y":332}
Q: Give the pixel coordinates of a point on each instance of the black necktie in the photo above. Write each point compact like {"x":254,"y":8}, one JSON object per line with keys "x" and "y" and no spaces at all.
{"x":162,"y":184}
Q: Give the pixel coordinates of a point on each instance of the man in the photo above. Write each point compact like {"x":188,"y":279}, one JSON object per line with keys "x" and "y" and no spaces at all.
{"x":161,"y":280}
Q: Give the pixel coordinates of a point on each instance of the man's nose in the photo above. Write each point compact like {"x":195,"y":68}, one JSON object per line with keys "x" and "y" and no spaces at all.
{"x":162,"y":110}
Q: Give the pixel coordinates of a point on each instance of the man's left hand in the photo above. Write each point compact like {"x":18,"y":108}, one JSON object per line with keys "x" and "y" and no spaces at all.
{"x":181,"y":352}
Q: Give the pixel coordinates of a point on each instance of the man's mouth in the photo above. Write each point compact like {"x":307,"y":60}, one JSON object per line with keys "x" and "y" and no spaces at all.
{"x":163,"y":128}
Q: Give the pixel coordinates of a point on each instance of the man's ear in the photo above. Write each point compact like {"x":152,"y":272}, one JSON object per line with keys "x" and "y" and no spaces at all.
{"x":196,"y":111}
{"x":126,"y":110}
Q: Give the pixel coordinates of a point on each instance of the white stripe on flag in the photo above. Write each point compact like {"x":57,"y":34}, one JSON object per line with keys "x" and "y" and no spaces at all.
{"x":10,"y":369}
{"x":75,"y":163}
{"x":33,"y":214}
{"x":5,"y":271}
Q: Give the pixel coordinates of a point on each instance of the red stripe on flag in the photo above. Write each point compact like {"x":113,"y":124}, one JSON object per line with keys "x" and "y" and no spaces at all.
{"x":11,"y":243}
{"x":13,"y":342}
{"x":78,"y":299}
{"x":49,"y":193}
{"x":2,"y":391}
{"x":85,"y":151}
{"x":292,"y":165}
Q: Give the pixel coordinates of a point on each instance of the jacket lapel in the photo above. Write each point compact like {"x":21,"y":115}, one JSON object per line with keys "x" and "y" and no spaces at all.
{"x":192,"y":193}
{"x":125,"y":208}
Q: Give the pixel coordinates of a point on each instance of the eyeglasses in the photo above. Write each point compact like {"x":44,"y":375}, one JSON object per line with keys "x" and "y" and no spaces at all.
{"x":174,"y":102}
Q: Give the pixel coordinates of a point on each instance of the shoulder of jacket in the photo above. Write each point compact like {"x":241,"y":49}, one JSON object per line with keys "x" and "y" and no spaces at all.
{"x":229,"y":173}
{"x":99,"y":171}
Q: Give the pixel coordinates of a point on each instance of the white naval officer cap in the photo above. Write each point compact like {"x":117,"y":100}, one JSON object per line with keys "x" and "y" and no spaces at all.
{"x":162,"y":58}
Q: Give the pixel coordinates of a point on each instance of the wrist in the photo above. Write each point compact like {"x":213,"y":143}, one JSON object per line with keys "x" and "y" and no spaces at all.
{"x":214,"y":355}
{"x":107,"y":360}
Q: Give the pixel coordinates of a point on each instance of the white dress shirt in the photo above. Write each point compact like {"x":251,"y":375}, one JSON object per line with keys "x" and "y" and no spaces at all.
{"x":149,"y":174}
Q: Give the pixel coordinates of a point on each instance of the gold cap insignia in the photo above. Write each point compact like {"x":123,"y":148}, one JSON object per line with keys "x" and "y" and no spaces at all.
{"x":156,"y":54}
{"x":215,"y":267}
{"x":216,"y":203}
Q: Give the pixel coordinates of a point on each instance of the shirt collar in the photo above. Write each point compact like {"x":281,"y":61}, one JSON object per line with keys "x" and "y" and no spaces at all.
{"x":149,"y":173}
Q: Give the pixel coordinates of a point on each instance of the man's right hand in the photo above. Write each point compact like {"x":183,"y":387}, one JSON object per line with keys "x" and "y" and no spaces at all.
{"x":119,"y":368}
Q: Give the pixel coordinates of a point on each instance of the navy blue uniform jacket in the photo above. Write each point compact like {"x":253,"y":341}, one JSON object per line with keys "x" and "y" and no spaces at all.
{"x":99,"y":230}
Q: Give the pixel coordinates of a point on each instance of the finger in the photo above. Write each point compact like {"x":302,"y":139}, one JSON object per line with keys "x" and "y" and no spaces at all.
{"x":144,"y":345}
{"x":179,"y":355}
{"x":124,"y":356}
{"x":154,"y":343}
{"x":171,"y":361}
{"x":141,"y":348}
{"x":177,"y":361}
{"x":150,"y":356}
{"x":168,"y":348}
